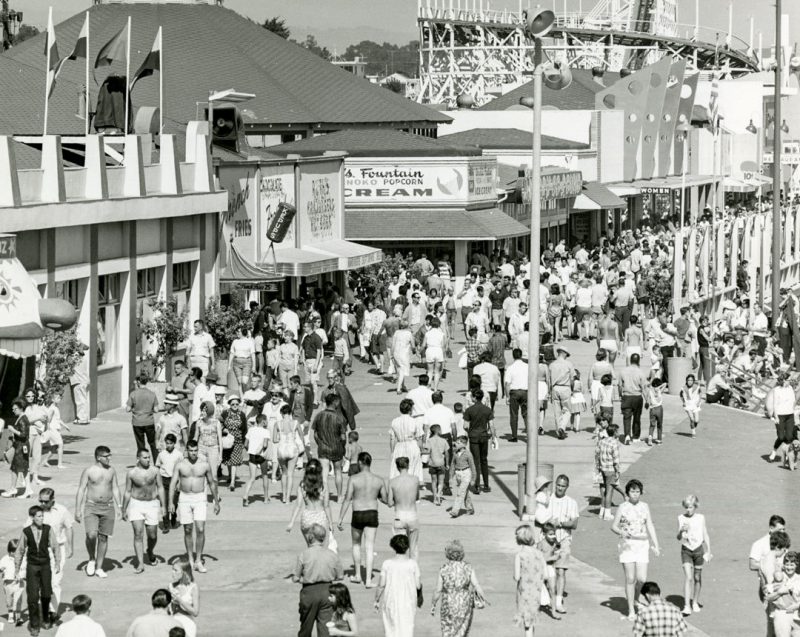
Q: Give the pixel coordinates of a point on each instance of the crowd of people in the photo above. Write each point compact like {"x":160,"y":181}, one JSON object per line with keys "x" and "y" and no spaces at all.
{"x":272,"y":417}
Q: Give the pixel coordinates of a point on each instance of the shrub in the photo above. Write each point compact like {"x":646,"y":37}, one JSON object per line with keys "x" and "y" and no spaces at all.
{"x":61,"y":354}
{"x":166,"y":330}
{"x":223,"y":321}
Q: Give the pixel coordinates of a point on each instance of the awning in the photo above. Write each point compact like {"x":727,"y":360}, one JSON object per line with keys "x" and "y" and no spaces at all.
{"x":736,"y":185}
{"x":454,"y":224}
{"x":582,"y":202}
{"x":601,"y":195}
{"x":664,"y":185}
{"x":239,"y":270}
{"x":297,"y":262}
{"x":351,"y":255}
{"x":624,"y":190}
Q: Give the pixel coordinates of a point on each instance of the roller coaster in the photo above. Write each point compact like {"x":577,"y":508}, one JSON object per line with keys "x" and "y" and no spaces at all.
{"x":466,"y":47}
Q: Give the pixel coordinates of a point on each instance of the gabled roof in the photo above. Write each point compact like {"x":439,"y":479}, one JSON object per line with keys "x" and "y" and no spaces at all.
{"x":205,"y":48}
{"x":508,"y":139}
{"x":381,"y":142}
{"x":578,"y":96}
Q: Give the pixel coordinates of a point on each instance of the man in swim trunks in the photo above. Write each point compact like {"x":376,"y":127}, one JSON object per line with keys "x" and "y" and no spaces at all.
{"x":403,"y":496}
{"x":142,"y":505}
{"x":608,"y":335}
{"x":192,"y":474}
{"x":100,"y":491}
{"x":364,"y":490}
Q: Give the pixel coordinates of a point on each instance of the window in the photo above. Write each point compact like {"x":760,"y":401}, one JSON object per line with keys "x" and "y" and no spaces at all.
{"x":181,"y":277}
{"x":109,"y":287}
{"x":146,"y":285}
{"x":68,"y":290}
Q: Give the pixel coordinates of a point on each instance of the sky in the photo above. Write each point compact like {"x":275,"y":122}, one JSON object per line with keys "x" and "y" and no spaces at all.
{"x":337,"y":23}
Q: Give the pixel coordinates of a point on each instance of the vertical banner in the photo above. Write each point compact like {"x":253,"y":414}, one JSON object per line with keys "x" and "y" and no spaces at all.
{"x":320,"y":202}
{"x":237,"y":223}
{"x":276,"y":187}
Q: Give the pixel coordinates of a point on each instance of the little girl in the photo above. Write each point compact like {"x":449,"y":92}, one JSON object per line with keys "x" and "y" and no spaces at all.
{"x":577,"y":402}
{"x":185,"y":596}
{"x":604,"y":406}
{"x":657,"y":365}
{"x":690,"y":396}
{"x":53,"y":434}
{"x":529,"y":571}
{"x":343,"y":623}
{"x":695,"y":552}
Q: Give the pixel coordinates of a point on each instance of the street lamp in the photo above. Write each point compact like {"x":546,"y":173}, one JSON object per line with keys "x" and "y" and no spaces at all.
{"x":555,"y":77}
{"x":751,"y":128}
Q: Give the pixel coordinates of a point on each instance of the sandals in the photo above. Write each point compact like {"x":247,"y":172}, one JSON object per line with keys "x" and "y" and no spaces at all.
{"x":245,"y":502}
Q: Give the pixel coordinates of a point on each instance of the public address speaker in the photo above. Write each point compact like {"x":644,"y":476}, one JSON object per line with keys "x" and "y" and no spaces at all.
{"x":539,"y":24}
{"x":227,"y":126}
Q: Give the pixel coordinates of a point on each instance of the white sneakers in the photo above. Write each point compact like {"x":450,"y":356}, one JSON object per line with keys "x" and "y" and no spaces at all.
{"x":90,"y":568}
{"x":101,"y":573}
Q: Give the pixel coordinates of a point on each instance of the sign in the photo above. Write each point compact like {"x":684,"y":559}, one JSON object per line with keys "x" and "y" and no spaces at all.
{"x":320,"y":202}
{"x":238,"y":222}
{"x":281,"y":222}
{"x":276,"y":190}
{"x":8,"y":246}
{"x":557,"y":185}
{"x":655,"y":190}
{"x":387,"y":182}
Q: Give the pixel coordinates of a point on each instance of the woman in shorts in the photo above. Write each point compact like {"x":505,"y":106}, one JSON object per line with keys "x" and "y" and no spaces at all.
{"x":695,"y":552}
{"x":634,"y":525}
{"x":434,"y":344}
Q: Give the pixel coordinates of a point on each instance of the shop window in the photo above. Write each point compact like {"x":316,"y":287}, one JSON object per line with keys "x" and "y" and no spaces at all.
{"x":181,"y":277}
{"x":146,"y":283}
{"x":109,"y":288}
{"x":68,"y":290}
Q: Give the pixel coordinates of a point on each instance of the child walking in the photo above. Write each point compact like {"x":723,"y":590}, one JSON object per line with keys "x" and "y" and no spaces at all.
{"x":690,"y":396}
{"x":604,"y":405}
{"x":655,"y":401}
{"x":462,"y":475}
{"x":577,"y":402}
{"x":343,"y":623}
{"x":167,"y":460}
{"x":257,"y":439}
{"x":52,"y":436}
{"x":437,"y":448}
{"x":12,"y":586}
{"x":341,"y":352}
{"x":695,"y":552}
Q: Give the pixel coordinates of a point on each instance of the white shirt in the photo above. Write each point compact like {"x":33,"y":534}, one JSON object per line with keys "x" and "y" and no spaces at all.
{"x":508,"y":270}
{"x":59,"y":519}
{"x":200,"y":345}
{"x":243,"y":347}
{"x":290,"y":321}
{"x":7,"y":568}
{"x":760,"y":548}
{"x":694,"y":533}
{"x":166,"y":461}
{"x":442,"y":416}
{"x":490,"y":377}
{"x":422,"y":400}
{"x":780,"y":401}
{"x":562,"y":509}
{"x":760,"y":324}
{"x":202,"y":393}
{"x":583,"y":296}
{"x":517,"y":375}
{"x":255,"y":440}
{"x":80,"y":626}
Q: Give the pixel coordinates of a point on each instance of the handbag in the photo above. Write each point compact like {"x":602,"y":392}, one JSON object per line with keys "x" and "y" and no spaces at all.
{"x":227,"y":440}
{"x":420,"y":598}
{"x":462,"y":359}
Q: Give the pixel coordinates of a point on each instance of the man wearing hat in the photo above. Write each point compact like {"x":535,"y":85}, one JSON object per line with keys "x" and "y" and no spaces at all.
{"x":562,"y":373}
{"x":171,"y":422}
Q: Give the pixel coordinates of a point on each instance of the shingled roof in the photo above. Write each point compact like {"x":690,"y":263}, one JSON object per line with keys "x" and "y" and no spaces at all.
{"x":205,"y":47}
{"x":578,"y":96}
{"x":375,"y":143}
{"x":508,"y":139}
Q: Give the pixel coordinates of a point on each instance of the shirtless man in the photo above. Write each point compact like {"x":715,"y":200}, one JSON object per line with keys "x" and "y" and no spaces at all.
{"x":403,"y":496}
{"x":608,"y":335}
{"x":364,"y":490}
{"x":100,"y":490}
{"x":144,"y":493}
{"x":191,"y":475}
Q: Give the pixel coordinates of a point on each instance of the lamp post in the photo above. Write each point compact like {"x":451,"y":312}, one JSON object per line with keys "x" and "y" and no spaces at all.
{"x":776,"y":171}
{"x":536,"y":27}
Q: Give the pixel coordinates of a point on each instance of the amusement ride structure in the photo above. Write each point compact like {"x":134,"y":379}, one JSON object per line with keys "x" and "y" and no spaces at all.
{"x":467,"y":47}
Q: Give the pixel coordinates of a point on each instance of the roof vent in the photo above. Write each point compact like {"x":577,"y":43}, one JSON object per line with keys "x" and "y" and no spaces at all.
{"x":465,"y":101}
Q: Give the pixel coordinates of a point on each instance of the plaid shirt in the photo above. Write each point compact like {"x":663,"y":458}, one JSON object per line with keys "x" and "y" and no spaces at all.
{"x":608,"y":454}
{"x":659,"y":619}
{"x":474,"y":349}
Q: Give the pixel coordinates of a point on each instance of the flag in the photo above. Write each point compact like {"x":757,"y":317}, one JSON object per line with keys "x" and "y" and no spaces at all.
{"x":152,"y":62}
{"x":51,"y":52}
{"x":713,"y":106}
{"x":112,"y":50}
{"x":80,"y":48}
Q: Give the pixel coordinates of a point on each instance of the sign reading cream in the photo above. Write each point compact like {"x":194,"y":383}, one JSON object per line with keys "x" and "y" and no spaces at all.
{"x":319,"y":212}
{"x":385,"y":181}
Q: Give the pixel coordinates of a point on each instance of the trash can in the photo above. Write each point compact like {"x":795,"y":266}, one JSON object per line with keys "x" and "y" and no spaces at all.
{"x":546,"y":470}
{"x":678,"y":368}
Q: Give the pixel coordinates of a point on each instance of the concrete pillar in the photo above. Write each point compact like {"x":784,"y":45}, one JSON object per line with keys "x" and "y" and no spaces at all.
{"x":50,"y":262}
{"x":203,"y":172}
{"x":691,"y":265}
{"x":788,"y":226}
{"x":134,"y":167}
{"x":96,"y":186}
{"x":734,"y":251}
{"x":89,"y":316}
{"x":9,"y":178}
{"x":52,"y":189}
{"x":694,"y":203}
{"x":127,"y":311}
{"x":679,"y":269}
{"x":705,"y":260}
{"x":170,"y":167}
{"x":720,"y":258}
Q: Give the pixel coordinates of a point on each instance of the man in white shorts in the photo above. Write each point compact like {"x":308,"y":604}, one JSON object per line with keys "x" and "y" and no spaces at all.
{"x":191,"y":475}
{"x":142,"y":504}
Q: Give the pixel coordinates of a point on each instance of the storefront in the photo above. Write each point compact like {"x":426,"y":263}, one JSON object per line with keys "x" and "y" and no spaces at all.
{"x":312,"y":248}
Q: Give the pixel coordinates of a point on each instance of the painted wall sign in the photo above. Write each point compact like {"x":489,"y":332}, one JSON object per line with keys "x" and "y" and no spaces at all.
{"x":560,"y":185}
{"x":276,"y":187}
{"x":320,"y":207}
{"x":237,"y":223}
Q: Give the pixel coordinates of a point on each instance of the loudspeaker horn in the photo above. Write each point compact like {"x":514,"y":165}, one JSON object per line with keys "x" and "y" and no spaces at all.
{"x":538,"y":25}
{"x":557,"y":76}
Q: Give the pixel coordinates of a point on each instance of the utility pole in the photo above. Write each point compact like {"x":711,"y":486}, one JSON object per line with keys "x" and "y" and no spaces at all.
{"x":776,"y":170}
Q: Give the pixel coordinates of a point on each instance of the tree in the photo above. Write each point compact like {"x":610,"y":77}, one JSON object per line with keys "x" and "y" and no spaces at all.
{"x":278,"y":26}
{"x":166,"y":331}
{"x":25,"y":31}
{"x":386,"y":58}
{"x":312,"y":45}
{"x":61,"y":354}
{"x":395,"y":86}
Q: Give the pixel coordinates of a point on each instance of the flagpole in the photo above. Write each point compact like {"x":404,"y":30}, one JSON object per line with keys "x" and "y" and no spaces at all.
{"x":47,"y":70}
{"x":127,"y":77}
{"x":86,"y":125}
{"x":160,"y":84}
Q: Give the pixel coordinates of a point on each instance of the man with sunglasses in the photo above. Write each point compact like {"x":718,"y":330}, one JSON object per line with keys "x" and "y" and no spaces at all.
{"x":58,"y":518}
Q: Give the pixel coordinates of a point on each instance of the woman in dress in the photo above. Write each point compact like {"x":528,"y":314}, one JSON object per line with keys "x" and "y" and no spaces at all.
{"x":434,"y":344}
{"x":313,"y":503}
{"x":208,"y":434}
{"x":402,"y":351}
{"x":287,"y":432}
{"x":20,"y":464}
{"x":459,"y":590}
{"x":637,"y":534}
{"x":272,"y":410}
{"x":36,"y":413}
{"x":396,"y":594}
{"x":242,"y":359}
{"x":405,"y":438}
{"x":234,"y":422}
{"x":529,"y":568}
{"x":185,"y":596}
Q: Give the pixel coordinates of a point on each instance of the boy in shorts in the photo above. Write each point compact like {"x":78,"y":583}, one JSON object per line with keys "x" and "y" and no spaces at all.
{"x":551,"y":550}
{"x":168,"y":457}
{"x":438,"y":449}
{"x":12,"y":587}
